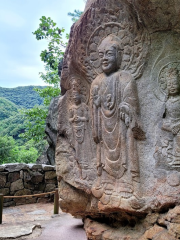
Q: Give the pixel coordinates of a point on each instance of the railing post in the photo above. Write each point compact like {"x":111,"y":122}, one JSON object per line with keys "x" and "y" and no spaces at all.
{"x":56,"y":202}
{"x":1,"y":207}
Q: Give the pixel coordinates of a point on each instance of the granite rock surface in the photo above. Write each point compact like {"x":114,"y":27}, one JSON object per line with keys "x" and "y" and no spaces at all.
{"x":118,"y":142}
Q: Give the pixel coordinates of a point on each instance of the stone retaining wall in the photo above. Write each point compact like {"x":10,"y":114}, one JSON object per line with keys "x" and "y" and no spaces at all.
{"x":27,"y":179}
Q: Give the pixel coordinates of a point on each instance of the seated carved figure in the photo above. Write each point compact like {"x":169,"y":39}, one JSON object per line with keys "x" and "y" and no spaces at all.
{"x":171,"y":121}
{"x":114,"y":105}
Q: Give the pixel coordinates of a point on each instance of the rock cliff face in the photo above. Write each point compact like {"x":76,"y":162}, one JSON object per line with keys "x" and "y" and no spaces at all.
{"x":51,"y":130}
{"x":118,"y":143}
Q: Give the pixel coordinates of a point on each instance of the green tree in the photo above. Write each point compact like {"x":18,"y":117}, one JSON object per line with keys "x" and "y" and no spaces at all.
{"x":6,"y":146}
{"x":28,"y":153}
{"x":13,"y":126}
{"x":75,"y":15}
{"x":22,"y":97}
{"x":51,"y":57}
{"x":35,"y":125}
{"x":31,"y":122}
{"x":7,"y":108}
{"x":10,"y":152}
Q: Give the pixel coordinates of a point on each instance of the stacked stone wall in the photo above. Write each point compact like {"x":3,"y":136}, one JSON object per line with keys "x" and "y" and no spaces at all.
{"x":27,"y":179}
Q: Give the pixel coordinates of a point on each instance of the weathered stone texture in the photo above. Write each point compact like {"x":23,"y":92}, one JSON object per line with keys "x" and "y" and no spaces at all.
{"x":51,"y":129}
{"x":154,"y":226}
{"x":12,"y":177}
{"x":43,"y":159}
{"x":48,"y":167}
{"x":118,"y":141}
{"x":4,"y":191}
{"x":50,"y":187}
{"x":23,"y":192}
{"x":22,"y":179}
{"x":35,"y":166}
{"x":2,"y":181}
{"x":2,"y":168}
{"x":36,"y":177}
{"x":17,"y":185}
{"x":50,"y":175}
{"x":13,"y":167}
{"x":20,"y":201}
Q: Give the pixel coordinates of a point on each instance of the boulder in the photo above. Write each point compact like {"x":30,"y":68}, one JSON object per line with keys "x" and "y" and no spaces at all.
{"x":4,"y":191}
{"x":17,"y":185}
{"x":2,"y":167}
{"x":51,"y":129}
{"x":23,"y":192}
{"x":50,"y":187}
{"x":2,"y":180}
{"x":118,"y":129}
{"x":48,"y":167}
{"x":43,"y":159}
{"x":12,"y":177}
{"x":36,"y":177}
{"x":15,"y":167}
{"x":50,"y":175}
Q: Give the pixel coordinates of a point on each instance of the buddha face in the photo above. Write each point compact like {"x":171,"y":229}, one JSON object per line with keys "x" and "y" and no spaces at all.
{"x":173,"y":86}
{"x":108,"y":58}
{"x":76,"y":98}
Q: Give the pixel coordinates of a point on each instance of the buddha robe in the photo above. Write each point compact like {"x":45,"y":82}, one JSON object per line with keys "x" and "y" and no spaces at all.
{"x":116,"y":143}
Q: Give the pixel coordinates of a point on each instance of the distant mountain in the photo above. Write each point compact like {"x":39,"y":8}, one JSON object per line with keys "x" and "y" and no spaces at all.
{"x":23,"y":97}
{"x":7,"y":108}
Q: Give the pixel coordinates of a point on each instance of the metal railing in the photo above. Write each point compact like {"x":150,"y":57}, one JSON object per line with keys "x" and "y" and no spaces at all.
{"x":56,"y":200}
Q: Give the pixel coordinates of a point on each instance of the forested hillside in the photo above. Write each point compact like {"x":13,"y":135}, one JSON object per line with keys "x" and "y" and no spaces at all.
{"x":13,"y":126}
{"x":7,"y":108}
{"x":24,"y":97}
{"x":13,"y":103}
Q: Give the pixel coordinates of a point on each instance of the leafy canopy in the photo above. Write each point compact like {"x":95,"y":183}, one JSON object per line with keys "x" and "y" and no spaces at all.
{"x":10,"y":152}
{"x":7,"y":108}
{"x":31,"y":122}
{"x":22,"y":97}
{"x":51,"y":57}
{"x":75,"y":15}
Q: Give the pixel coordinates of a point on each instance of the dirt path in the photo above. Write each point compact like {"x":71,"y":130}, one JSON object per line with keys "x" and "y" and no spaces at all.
{"x":36,"y":221}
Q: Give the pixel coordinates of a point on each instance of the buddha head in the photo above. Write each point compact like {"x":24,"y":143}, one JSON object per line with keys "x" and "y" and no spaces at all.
{"x":76,"y":97}
{"x":173,"y":82}
{"x":110,"y":54}
{"x":76,"y":91}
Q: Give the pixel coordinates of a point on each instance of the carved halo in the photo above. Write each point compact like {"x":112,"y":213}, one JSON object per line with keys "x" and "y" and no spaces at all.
{"x":159,"y":75}
{"x":163,"y":74}
{"x":133,"y":48}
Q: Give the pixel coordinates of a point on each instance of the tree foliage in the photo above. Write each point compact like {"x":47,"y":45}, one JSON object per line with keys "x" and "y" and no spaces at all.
{"x":13,"y":126}
{"x":51,"y":57}
{"x":75,"y":15}
{"x":13,"y":148}
{"x":29,"y":122}
{"x":35,"y":125}
{"x":22,"y":97}
{"x":10,"y":152}
{"x":7,"y":108}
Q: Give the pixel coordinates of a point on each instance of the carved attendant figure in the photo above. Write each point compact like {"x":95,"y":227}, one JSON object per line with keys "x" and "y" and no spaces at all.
{"x":171,"y":121}
{"x":115,"y":125}
{"x":78,"y":116}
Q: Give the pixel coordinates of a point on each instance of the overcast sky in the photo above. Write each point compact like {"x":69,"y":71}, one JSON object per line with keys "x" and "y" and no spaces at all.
{"x":20,"y":61}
